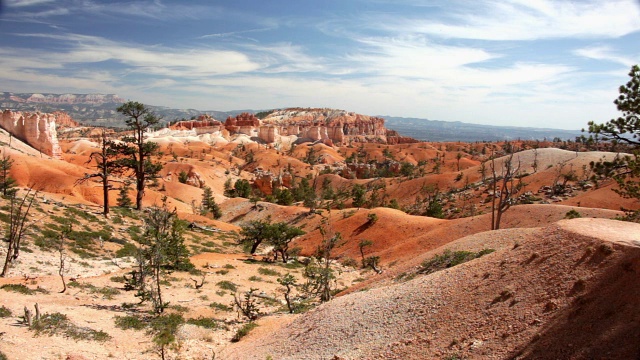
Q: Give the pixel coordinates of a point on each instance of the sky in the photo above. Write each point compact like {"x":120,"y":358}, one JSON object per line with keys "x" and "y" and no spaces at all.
{"x":540,"y":63}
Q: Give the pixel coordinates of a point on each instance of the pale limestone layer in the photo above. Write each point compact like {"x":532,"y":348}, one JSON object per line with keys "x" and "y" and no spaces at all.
{"x":36,"y":129}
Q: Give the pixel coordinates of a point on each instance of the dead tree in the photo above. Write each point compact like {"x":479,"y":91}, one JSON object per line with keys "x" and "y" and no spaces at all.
{"x":509,"y":185}
{"x":106,"y":165}
{"x":28,"y":316}
{"x":63,"y":255}
{"x":19,"y":210}
{"x":195,"y":281}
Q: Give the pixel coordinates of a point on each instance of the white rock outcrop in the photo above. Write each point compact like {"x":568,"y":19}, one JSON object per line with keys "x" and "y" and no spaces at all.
{"x":36,"y":129}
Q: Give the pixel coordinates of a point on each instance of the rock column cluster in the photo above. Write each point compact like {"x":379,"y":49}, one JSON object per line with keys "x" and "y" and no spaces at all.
{"x":36,"y":129}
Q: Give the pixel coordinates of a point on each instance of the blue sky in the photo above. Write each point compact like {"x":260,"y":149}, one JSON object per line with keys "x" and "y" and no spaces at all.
{"x":513,"y":62}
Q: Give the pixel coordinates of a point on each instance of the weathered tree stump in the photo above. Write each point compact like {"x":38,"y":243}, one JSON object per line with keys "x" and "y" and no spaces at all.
{"x":27,"y":316}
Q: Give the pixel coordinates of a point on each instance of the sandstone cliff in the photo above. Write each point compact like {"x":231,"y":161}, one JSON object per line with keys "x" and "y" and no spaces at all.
{"x":36,"y":129}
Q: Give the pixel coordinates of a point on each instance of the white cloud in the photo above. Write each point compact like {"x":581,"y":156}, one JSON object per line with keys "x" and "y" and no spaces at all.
{"x":23,"y":3}
{"x":148,"y":59}
{"x":528,"y":20}
{"x":606,"y":53}
{"x":415,"y":56}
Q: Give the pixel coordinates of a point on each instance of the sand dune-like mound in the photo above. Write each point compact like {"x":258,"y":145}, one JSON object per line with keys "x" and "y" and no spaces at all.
{"x":563,"y":291}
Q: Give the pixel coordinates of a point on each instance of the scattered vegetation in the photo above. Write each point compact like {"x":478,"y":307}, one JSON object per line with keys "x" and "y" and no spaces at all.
{"x":572,"y":214}
{"x":207,"y":323}
{"x":19,"y":288}
{"x":267,"y":271}
{"x":449,"y":259}
{"x":220,"y":306}
{"x":227,"y":285}
{"x":243,"y":331}
{"x":59,"y":324}
{"x":130,"y":322}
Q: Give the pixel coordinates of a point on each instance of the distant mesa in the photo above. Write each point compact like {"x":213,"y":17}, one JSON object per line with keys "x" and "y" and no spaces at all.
{"x":96,"y":99}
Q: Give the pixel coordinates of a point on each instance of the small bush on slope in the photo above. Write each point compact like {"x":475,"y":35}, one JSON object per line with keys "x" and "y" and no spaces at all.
{"x":449,"y":259}
{"x":57,"y":323}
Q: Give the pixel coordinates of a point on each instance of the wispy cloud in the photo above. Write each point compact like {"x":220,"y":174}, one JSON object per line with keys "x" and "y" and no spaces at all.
{"x":606,"y":53}
{"x":235,"y":33}
{"x":157,"y":60}
{"x":527,"y":20}
{"x":23,"y":3}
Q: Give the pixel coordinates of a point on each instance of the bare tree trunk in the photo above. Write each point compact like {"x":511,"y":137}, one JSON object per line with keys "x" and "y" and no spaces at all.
{"x":493,"y":195}
{"x":160,"y":307}
{"x":27,"y":316}
{"x":17,"y":218}
{"x":37,"y":312}
{"x":63,"y":257}
{"x":7,"y":260}
{"x":105,"y":196}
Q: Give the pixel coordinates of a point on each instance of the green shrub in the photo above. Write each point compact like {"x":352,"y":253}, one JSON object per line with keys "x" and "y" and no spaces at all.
{"x":179,"y":308}
{"x":3,"y":356}
{"x":183,"y":176}
{"x":207,"y":323}
{"x":57,"y":323}
{"x":116,"y":219}
{"x":229,"y":266}
{"x":572,"y":214}
{"x":118,"y":279}
{"x":227,"y":285}
{"x":73,"y":212}
{"x":255,"y":278}
{"x":4,"y":312}
{"x":220,"y":306}
{"x":19,"y":288}
{"x":164,"y":328}
{"x":130,"y":322}
{"x":372,"y":218}
{"x":64,"y":220}
{"x":107,"y":292}
{"x":349,"y":262}
{"x":449,"y":259}
{"x":243,"y":331}
{"x":127,"y":250}
{"x":268,"y":272}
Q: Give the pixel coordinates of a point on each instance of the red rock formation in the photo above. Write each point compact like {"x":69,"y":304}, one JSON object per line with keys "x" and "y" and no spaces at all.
{"x":195,"y":179}
{"x":242,"y":120}
{"x":393,"y":138}
{"x":327,"y":125}
{"x":205,"y":124}
{"x":64,"y":120}
{"x":266,"y":181}
{"x":35,"y":129}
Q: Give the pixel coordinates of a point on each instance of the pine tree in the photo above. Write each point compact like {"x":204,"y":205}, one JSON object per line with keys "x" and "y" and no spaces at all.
{"x":136,"y":152}
{"x":7,"y":183}
{"x":209,"y":205}
{"x":625,"y":129}
{"x":123,"y":199}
